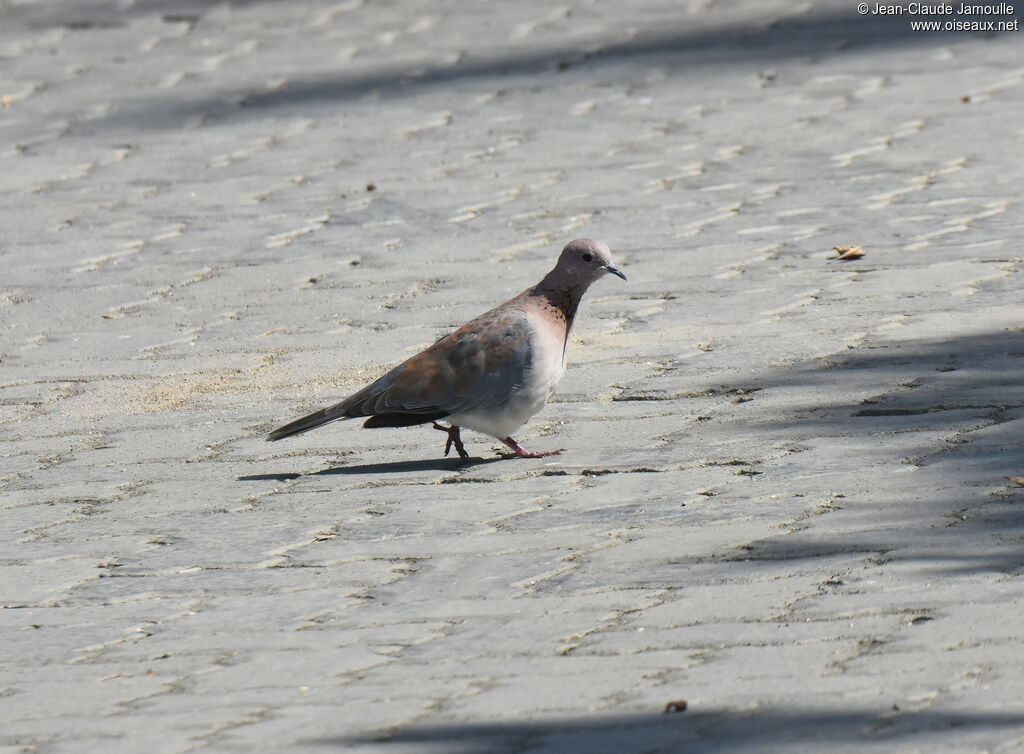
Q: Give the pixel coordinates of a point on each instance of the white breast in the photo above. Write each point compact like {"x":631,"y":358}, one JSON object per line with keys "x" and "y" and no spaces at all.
{"x":547,"y":367}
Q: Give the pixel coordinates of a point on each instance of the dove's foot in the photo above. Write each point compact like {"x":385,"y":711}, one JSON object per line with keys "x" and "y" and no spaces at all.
{"x":520,"y":452}
{"x":453,"y":439}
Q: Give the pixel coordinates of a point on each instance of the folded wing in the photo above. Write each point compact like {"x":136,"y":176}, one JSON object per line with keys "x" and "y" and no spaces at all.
{"x":481,"y":364}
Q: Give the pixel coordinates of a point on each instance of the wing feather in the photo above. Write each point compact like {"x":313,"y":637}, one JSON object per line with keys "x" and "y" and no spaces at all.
{"x":481,"y":364}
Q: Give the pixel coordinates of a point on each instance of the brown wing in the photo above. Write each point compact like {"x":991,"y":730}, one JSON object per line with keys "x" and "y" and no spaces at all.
{"x":479,"y":365}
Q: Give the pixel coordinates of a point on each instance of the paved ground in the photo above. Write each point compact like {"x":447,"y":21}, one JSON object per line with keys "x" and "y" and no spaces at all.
{"x":786,"y":496}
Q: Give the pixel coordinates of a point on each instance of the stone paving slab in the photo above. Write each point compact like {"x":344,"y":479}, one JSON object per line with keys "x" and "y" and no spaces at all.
{"x":786,"y":495}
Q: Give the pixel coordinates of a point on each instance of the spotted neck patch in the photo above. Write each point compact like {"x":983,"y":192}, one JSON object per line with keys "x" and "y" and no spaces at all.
{"x":560,"y":304}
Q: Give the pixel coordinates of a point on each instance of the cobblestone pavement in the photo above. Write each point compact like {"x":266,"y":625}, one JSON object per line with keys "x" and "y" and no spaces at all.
{"x":787,"y":495}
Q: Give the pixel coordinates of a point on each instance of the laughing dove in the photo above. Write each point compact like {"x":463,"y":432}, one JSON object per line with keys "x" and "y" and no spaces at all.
{"x":493,"y":373}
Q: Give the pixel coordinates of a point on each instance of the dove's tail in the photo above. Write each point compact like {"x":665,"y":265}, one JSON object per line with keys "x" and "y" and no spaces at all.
{"x":373,"y":401}
{"x":306,"y":423}
{"x":333,"y":413}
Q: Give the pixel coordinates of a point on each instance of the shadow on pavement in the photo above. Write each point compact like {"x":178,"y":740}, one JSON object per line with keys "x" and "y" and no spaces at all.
{"x":699,"y":731}
{"x":387,"y":467}
{"x":811,"y":35}
{"x":959,"y":404}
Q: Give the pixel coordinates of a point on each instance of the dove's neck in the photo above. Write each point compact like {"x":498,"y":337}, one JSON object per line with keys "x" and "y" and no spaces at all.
{"x":560,"y":299}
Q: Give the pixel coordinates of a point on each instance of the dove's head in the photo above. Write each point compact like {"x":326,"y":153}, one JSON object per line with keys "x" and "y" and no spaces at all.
{"x":585,"y":260}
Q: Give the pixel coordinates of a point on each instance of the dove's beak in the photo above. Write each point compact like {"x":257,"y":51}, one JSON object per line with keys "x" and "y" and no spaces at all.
{"x":615,"y":270}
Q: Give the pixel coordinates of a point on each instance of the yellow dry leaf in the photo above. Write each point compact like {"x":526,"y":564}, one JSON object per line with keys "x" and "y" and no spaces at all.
{"x":1017,"y":480}
{"x":849,"y":252}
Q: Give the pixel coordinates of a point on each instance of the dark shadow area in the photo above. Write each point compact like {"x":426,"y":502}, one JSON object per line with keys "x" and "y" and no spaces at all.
{"x":814,"y":35}
{"x":954,"y":548}
{"x":282,"y":477}
{"x":978,"y":373}
{"x":110,"y":14}
{"x":1002,"y":349}
{"x":387,"y":467}
{"x":958,"y":511}
{"x":699,"y":731}
{"x":393,"y":467}
{"x":811,"y":35}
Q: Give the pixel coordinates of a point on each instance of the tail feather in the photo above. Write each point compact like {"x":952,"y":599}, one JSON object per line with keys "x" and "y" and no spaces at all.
{"x":306,"y":423}
{"x":374,"y":401}
{"x":333,"y":413}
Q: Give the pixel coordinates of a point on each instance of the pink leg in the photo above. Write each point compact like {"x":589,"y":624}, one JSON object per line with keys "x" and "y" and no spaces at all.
{"x":453,"y":439}
{"x":520,"y":452}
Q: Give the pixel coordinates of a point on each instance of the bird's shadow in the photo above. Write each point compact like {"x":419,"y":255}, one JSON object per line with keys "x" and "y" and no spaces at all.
{"x":389,"y":467}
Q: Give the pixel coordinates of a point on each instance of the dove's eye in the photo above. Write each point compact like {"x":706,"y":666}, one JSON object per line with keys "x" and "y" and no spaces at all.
{"x":588,"y":258}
